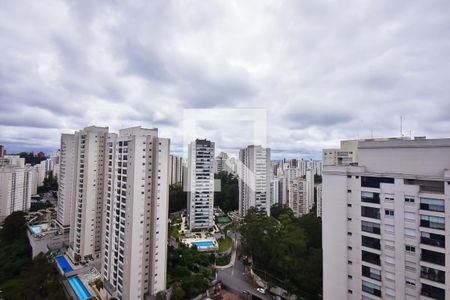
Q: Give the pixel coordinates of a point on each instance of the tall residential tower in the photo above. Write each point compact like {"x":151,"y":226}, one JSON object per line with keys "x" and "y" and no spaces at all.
{"x":255,"y":174}
{"x":200,"y":184}
{"x":134,"y":253}
{"x":386,"y":221}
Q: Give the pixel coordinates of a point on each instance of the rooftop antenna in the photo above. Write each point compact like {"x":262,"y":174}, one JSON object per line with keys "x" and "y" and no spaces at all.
{"x":401,"y":126}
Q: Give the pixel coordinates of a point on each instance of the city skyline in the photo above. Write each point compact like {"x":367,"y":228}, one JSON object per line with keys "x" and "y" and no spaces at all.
{"x":325,"y":80}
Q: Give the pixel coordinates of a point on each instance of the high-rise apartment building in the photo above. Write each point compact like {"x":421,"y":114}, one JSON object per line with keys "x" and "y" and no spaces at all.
{"x":200,"y":184}
{"x":176,"y":168}
{"x":66,"y":180}
{"x":386,"y":221}
{"x":86,"y":223}
{"x":319,"y":200}
{"x":134,"y":253}
{"x":2,"y":151}
{"x":255,"y":174}
{"x":309,"y":190}
{"x":15,"y":185}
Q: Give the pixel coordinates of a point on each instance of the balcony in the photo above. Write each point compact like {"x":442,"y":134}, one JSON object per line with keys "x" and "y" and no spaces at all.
{"x":432,"y":239}
{"x":432,"y":292}
{"x":433,"y":257}
{"x":432,"y":274}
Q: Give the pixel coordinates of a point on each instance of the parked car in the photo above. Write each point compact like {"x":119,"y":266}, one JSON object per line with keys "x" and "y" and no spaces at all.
{"x":261,"y":290}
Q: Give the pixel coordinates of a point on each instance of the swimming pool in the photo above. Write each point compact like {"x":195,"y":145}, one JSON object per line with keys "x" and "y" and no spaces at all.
{"x":79,"y":288}
{"x":36,"y":229}
{"x":63,"y":264}
{"x":203,"y":244}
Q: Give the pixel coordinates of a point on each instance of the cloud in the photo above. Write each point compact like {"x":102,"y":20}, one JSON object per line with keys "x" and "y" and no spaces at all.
{"x":323,"y":73}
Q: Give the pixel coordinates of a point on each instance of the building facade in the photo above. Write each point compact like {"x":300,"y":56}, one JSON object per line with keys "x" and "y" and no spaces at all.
{"x":200,"y":184}
{"x":176,"y":169}
{"x":15,"y":185}
{"x":85,"y":237}
{"x":255,"y":174}
{"x":66,"y":180}
{"x":137,"y":175}
{"x":386,"y":220}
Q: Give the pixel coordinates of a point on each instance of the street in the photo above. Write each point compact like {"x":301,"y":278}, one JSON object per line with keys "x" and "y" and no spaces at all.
{"x":233,"y":278}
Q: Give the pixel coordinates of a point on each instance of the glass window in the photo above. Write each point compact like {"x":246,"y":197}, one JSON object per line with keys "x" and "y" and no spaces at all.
{"x":370,"y":242}
{"x":433,"y":257}
{"x":370,"y":227}
{"x":432,"y":274}
{"x":432,"y":204}
{"x":371,"y":273}
{"x":432,"y":239}
{"x":432,"y":292}
{"x":371,"y":288}
{"x":370,"y":197}
{"x":370,"y":212}
{"x":432,"y":222}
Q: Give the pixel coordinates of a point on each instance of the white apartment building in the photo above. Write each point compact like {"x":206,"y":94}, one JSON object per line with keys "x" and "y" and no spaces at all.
{"x":200,"y":184}
{"x":135,"y":227}
{"x":86,"y":228}
{"x":176,"y":168}
{"x":67,"y":180}
{"x":386,"y":220}
{"x":255,"y":175}
{"x":309,"y":190}
{"x":15,"y":185}
{"x":274,"y":191}
{"x":319,"y":200}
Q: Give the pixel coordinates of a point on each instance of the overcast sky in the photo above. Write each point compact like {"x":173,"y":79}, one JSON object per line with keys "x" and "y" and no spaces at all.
{"x":323,"y":70}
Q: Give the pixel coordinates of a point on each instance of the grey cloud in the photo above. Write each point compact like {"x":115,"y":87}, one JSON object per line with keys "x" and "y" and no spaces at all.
{"x":323,"y":73}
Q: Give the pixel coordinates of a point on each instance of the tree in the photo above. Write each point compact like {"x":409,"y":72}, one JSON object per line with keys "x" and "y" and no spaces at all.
{"x":13,"y":226}
{"x":228,"y":196}
{"x":292,"y":245}
{"x":177,"y":198}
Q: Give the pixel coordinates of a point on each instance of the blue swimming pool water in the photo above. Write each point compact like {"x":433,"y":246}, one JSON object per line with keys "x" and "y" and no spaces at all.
{"x":79,"y":288}
{"x":36,"y":229}
{"x":64,"y":264}
{"x":203,"y":244}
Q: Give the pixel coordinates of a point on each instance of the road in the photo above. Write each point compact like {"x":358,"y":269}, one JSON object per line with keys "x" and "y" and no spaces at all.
{"x":233,"y":278}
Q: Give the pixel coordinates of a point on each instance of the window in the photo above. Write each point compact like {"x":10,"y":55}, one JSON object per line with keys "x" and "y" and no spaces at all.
{"x":370,"y":242}
{"x":410,"y":217}
{"x":374,"y":182}
{"x":410,"y":199}
{"x":370,"y":257}
{"x":411,"y":233}
{"x":432,"y":292}
{"x":370,"y":212}
{"x":389,"y":212}
{"x":389,"y":276}
{"x":432,"y":274}
{"x":390,"y":245}
{"x":371,"y":288}
{"x":410,"y":266}
{"x":432,"y":222}
{"x":410,"y":283}
{"x":390,"y":229}
{"x":370,"y":227}
{"x":432,"y":239}
{"x":433,"y":257}
{"x":370,"y":197}
{"x":410,"y":249}
{"x":389,"y":197}
{"x":371,"y":273}
{"x":432,"y":204}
